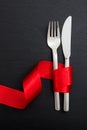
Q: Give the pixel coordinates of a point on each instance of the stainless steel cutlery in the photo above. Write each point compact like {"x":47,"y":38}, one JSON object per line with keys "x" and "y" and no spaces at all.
{"x":53,"y":41}
{"x":66,"y":46}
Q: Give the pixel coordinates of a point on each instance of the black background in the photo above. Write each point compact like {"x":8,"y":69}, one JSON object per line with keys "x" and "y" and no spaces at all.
{"x":23,"y":28}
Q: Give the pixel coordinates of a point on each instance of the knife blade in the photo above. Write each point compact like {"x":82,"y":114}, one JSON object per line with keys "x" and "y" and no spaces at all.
{"x":66,"y":46}
{"x":66,"y":37}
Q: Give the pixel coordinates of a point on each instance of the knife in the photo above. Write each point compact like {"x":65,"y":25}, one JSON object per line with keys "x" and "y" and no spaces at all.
{"x":66,"y":46}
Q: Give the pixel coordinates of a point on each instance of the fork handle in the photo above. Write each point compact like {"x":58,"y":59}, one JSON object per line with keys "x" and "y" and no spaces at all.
{"x":57,"y":101}
{"x":55,"y":59}
{"x":66,"y":95}
{"x":55,"y":66}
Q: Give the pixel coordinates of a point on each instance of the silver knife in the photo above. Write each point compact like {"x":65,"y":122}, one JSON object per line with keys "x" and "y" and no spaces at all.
{"x":66,"y":46}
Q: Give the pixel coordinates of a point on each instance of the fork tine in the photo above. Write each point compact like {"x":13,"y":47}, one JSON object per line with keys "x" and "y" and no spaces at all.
{"x":58,"y":30}
{"x":52,"y":29}
{"x":55,"y":29}
{"x":48,"y":33}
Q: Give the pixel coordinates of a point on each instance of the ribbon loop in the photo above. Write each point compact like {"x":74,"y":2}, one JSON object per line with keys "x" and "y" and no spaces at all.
{"x":32,"y":84}
{"x":62,"y":79}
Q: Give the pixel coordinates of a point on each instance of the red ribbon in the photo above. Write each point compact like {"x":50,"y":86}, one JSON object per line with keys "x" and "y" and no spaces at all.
{"x":32,"y":85}
{"x":62,"y":79}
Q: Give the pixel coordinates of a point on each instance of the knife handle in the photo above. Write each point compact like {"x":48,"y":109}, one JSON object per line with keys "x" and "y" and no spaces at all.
{"x":66,"y":95}
{"x":66,"y":102}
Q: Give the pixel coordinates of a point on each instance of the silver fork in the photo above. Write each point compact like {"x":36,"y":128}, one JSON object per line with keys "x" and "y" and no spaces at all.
{"x":53,"y":41}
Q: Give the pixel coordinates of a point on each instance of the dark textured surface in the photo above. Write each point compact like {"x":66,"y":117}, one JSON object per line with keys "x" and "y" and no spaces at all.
{"x":23,"y":27}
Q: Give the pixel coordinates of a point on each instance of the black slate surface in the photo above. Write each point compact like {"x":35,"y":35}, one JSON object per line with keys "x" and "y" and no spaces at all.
{"x":23,"y":28}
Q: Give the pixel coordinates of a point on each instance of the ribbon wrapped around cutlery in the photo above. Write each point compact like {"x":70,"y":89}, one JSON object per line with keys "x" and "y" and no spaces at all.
{"x":32,"y":86}
{"x":62,"y":79}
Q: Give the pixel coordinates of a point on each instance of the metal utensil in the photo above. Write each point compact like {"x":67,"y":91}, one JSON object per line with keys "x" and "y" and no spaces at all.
{"x":66,"y":45}
{"x":53,"y":41}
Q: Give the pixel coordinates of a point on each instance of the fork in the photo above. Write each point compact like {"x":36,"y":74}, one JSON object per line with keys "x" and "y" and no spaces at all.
{"x":53,"y":41}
